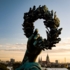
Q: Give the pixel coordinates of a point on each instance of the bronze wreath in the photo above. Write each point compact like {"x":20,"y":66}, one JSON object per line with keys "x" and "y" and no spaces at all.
{"x":51,"y":23}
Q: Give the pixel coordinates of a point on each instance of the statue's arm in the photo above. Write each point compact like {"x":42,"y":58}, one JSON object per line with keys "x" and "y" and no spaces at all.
{"x":33,"y":49}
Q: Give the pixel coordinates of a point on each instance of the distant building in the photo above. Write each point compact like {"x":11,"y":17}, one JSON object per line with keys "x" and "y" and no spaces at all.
{"x":47,"y":59}
{"x":47,"y":62}
{"x":55,"y":64}
{"x":44,"y":63}
{"x":12,"y":61}
{"x":7,"y":62}
{"x":56,"y":61}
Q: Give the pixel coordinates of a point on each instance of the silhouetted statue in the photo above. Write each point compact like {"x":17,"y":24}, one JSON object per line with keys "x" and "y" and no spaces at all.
{"x":36,"y":43}
{"x":32,"y":52}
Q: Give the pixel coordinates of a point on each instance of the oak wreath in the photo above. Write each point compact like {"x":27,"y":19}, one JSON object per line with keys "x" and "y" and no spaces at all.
{"x":51,"y":23}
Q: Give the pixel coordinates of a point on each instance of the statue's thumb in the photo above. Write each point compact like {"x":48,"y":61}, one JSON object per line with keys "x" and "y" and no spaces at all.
{"x":36,"y":32}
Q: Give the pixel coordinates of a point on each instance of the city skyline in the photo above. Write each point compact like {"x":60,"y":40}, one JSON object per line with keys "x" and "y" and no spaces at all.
{"x":39,"y":59}
{"x":12,"y":39}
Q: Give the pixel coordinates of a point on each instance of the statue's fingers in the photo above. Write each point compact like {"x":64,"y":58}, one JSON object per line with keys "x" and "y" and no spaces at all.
{"x":40,"y":43}
{"x":40,"y":39}
{"x":35,"y":43}
{"x":36,"y":36}
{"x":36,"y":32}
{"x":30,"y":38}
{"x":37,"y":39}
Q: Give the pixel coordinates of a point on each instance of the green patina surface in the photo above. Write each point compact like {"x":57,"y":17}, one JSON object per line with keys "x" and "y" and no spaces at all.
{"x":29,"y":66}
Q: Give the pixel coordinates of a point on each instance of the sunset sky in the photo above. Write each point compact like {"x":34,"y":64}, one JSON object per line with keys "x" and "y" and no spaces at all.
{"x":12,"y":39}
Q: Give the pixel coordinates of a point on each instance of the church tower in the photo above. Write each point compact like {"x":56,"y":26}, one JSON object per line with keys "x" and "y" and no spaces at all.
{"x":47,"y":59}
{"x":40,"y":60}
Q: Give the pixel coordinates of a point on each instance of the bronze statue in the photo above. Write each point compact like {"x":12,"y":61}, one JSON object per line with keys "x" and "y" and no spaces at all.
{"x":35,"y":42}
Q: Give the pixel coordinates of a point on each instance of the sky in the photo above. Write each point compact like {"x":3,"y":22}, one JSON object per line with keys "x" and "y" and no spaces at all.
{"x":12,"y":39}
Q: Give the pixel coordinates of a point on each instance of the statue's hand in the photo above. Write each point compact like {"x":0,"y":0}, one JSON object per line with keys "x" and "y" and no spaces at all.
{"x":33,"y":43}
{"x":33,"y":47}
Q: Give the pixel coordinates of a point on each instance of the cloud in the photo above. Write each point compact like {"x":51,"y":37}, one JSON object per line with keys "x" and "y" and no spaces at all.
{"x":61,"y":50}
{"x":13,"y":47}
{"x":55,"y":51}
{"x":62,"y":46}
{"x":12,"y":50}
{"x":0,"y":45}
{"x":64,"y":43}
